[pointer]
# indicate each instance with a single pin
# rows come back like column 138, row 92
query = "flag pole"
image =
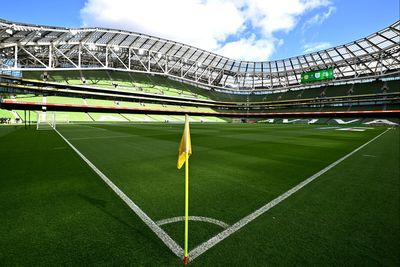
column 185, row 255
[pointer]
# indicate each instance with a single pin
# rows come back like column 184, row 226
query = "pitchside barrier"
column 335, row 121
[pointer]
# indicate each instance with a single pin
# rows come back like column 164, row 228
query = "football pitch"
column 259, row 195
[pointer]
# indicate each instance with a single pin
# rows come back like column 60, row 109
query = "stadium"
column 295, row 161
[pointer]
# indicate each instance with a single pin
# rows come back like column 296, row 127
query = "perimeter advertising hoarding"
column 317, row 75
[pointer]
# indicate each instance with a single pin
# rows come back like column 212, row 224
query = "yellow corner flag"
column 185, row 150
column 186, row 145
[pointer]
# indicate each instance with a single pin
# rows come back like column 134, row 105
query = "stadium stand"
column 155, row 87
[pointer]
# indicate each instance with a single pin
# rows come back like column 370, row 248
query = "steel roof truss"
column 93, row 55
column 140, row 61
column 34, row 57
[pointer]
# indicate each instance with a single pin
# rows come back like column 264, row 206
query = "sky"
column 254, row 30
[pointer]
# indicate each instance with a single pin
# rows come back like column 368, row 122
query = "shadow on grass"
column 138, row 229
column 102, row 206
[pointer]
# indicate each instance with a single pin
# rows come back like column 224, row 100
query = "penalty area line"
column 165, row 238
column 244, row 221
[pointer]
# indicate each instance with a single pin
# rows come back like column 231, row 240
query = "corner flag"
column 185, row 146
column 185, row 150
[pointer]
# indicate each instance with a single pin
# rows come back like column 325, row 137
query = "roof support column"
column 50, row 56
column 106, row 56
column 148, row 62
column 254, row 75
column 181, row 67
column 270, row 75
column 262, row 74
column 16, row 56
column 129, row 58
column 79, row 55
column 166, row 64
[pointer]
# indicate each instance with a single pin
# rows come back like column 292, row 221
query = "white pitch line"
column 241, row 223
column 193, row 218
column 168, row 241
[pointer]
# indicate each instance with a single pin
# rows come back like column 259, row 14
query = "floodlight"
column 73, row 32
column 159, row 55
column 92, row 46
column 116, row 48
column 141, row 51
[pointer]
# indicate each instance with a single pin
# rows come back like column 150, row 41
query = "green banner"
column 317, row 75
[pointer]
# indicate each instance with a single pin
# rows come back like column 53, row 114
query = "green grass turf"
column 57, row 211
column 347, row 217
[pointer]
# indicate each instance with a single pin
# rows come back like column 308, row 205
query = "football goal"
column 46, row 121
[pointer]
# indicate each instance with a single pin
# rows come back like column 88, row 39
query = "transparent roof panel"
column 139, row 42
column 376, row 39
column 128, row 41
column 105, row 38
column 117, row 39
column 148, row 44
column 166, row 48
column 180, row 51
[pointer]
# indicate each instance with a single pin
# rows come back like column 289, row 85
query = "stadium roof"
column 27, row 47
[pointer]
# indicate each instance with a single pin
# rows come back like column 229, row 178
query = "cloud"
column 249, row 49
column 215, row 25
column 271, row 16
column 317, row 46
column 190, row 21
column 318, row 18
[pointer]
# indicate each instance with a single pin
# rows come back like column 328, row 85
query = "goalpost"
column 46, row 120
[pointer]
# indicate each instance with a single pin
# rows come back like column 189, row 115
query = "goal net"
column 46, row 121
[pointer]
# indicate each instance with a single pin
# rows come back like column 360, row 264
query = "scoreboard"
column 317, row 75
